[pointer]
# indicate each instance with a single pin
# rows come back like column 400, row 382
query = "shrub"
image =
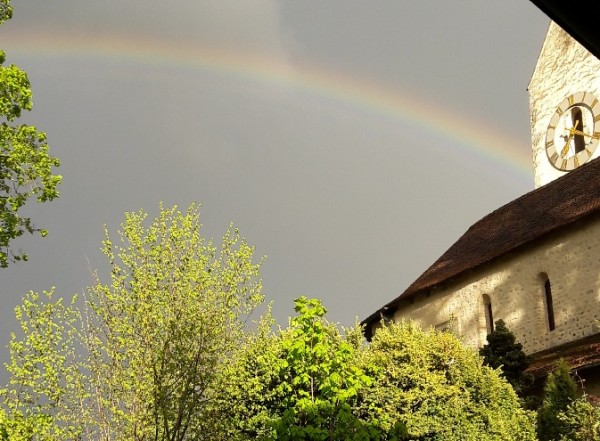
column 429, row 386
column 559, row 392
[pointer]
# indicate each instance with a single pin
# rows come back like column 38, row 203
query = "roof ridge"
column 528, row 217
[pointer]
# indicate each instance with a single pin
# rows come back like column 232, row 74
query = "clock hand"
column 565, row 149
column 579, row 132
column 572, row 131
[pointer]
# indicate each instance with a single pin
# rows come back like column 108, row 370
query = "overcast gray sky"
column 352, row 142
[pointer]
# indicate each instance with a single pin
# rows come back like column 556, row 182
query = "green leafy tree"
column 45, row 382
column 502, row 351
column 560, row 391
column 429, row 386
column 581, row 421
column 299, row 384
column 143, row 363
column 161, row 329
column 25, row 164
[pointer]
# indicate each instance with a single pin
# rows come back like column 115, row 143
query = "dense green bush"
column 429, row 386
column 580, row 421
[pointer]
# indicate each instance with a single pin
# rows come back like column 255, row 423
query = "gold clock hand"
column 565, row 149
column 572, row 131
column 579, row 132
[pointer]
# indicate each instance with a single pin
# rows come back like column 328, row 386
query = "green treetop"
column 314, row 382
column 299, row 384
column 139, row 359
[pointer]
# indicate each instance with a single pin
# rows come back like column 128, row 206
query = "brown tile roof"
column 532, row 216
column 581, row 354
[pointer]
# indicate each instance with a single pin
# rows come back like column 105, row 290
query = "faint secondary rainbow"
column 470, row 139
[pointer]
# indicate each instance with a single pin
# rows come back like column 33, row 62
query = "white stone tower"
column 564, row 97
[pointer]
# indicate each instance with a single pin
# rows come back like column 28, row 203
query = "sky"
column 351, row 142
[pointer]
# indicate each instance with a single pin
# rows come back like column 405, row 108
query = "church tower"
column 564, row 94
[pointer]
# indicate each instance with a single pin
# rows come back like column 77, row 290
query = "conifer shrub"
column 502, row 351
column 560, row 391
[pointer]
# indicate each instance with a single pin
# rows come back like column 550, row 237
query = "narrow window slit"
column 549, row 304
column 489, row 316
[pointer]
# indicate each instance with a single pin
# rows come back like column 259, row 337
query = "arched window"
column 489, row 316
column 548, row 301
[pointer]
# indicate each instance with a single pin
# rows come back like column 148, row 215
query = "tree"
column 45, row 379
column 25, row 164
column 143, row 363
column 581, row 421
column 559, row 392
column 429, row 386
column 299, row 384
column 502, row 351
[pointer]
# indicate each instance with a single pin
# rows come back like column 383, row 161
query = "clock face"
column 574, row 131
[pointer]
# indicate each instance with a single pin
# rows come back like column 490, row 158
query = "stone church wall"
column 514, row 284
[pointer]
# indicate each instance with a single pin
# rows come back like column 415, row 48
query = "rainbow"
column 472, row 140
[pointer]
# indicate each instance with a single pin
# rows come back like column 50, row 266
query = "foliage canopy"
column 313, row 382
column 429, row 386
column 300, row 384
column 25, row 164
column 139, row 359
column 580, row 421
